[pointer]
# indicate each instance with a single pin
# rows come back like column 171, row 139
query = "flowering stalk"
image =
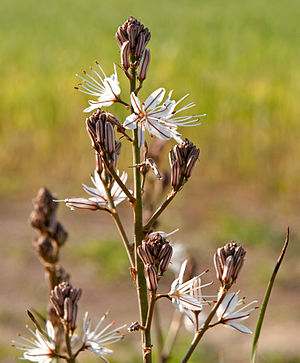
column 138, row 234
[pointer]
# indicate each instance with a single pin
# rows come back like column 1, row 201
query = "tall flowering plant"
column 149, row 251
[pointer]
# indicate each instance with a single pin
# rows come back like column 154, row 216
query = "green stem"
column 138, row 231
column 112, row 171
column 71, row 359
column 205, row 326
column 266, row 299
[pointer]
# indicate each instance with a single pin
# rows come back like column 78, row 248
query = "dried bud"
column 151, row 277
column 144, row 65
column 228, row 262
column 133, row 32
column 156, row 251
column 64, row 298
column 135, row 327
column 44, row 202
column 44, row 248
column 38, row 220
column 182, row 160
column 60, row 235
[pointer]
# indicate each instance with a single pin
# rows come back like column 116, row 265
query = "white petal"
column 130, row 122
column 241, row 328
column 181, row 272
column 154, row 99
column 228, row 305
column 136, row 103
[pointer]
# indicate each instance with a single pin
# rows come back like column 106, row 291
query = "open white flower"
column 232, row 318
column 159, row 119
column 95, row 340
column 99, row 198
column 40, row 348
column 107, row 89
column 187, row 295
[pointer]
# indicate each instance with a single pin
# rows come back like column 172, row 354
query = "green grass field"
column 238, row 61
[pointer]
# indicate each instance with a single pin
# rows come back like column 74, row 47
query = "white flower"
column 99, row 199
column 179, row 254
column 159, row 119
column 95, row 339
column 187, row 295
column 107, row 89
column 232, row 318
column 41, row 348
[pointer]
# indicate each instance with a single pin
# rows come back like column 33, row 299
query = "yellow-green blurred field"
column 239, row 61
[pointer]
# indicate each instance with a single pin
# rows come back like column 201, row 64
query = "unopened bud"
column 125, row 62
column 144, row 65
column 182, row 160
column 151, row 278
column 81, row 203
column 228, row 262
column 133, row 32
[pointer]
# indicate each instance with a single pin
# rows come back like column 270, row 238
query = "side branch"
column 119, row 181
column 159, row 211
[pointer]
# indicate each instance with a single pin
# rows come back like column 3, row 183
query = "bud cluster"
column 64, row 298
column 100, row 127
column 182, row 160
column 52, row 233
column 156, row 253
column 228, row 262
column 132, row 38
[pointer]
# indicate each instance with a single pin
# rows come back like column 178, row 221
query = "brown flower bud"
column 64, row 298
column 144, row 65
column 182, row 160
column 156, row 251
column 38, row 220
column 228, row 262
column 133, row 32
column 151, row 278
column 44, row 202
column 125, row 62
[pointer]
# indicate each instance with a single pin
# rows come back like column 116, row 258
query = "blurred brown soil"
column 23, row 286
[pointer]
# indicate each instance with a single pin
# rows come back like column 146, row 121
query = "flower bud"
column 228, row 262
column 151, row 278
column 182, row 160
column 144, row 65
column 59, row 235
column 156, row 251
column 125, row 62
column 64, row 298
column 137, row 36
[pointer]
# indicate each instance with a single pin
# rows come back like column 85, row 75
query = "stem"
column 159, row 211
column 150, row 312
column 119, row 181
column 266, row 299
column 71, row 359
column 198, row 335
column 138, row 233
column 119, row 224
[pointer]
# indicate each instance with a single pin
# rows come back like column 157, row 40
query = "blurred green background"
column 239, row 61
